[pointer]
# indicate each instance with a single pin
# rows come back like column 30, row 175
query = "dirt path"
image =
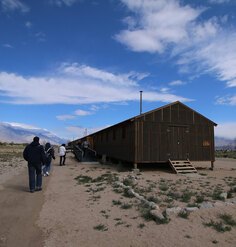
column 19, row 212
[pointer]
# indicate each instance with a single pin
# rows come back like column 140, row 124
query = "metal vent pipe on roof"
column 141, row 103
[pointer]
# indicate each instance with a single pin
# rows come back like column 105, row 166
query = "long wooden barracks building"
column 172, row 132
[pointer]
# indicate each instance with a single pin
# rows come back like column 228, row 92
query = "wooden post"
column 136, row 170
column 104, row 159
column 212, row 165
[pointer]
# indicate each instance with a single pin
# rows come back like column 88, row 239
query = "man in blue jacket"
column 35, row 155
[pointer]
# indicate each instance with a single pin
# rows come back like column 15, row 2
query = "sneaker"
column 47, row 173
column 44, row 174
column 31, row 191
column 38, row 189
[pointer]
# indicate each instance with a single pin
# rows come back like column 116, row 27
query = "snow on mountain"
column 20, row 133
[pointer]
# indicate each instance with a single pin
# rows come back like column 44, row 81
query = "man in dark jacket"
column 35, row 155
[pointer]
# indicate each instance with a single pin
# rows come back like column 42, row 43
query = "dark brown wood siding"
column 116, row 142
column 175, row 132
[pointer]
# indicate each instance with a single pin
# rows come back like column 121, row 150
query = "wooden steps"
column 182, row 166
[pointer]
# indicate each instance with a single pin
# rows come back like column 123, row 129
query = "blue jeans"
column 47, row 168
column 35, row 175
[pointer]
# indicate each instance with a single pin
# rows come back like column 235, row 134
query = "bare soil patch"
column 84, row 207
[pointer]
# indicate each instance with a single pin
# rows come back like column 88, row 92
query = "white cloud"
column 232, row 83
column 164, row 89
column 78, row 112
column 82, row 113
column 79, row 131
column 84, row 88
column 65, row 117
column 227, row 100
column 12, row 5
column 218, row 57
column 219, row 1
column 158, row 25
column 74, row 115
column 177, row 83
column 63, row 2
column 226, row 130
column 199, row 45
column 83, row 70
column 41, row 37
column 94, row 108
column 7, row 46
column 28, row 24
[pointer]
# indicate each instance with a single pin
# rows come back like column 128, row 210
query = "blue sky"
column 71, row 66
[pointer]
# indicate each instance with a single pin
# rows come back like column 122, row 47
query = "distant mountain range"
column 16, row 133
column 225, row 143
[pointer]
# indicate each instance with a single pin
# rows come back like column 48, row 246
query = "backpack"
column 47, row 153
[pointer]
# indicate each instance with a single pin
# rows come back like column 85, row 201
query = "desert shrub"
column 165, row 220
column 104, row 214
column 218, row 226
column 163, row 187
column 186, row 196
column 230, row 193
column 108, row 177
column 127, row 193
column 81, row 179
column 183, row 214
column 116, row 202
column 228, row 219
column 119, row 223
column 153, row 199
column 145, row 211
column 128, row 182
column 100, row 227
column 126, row 206
column 216, row 195
column 199, row 199
column 226, row 153
column 141, row 225
column 174, row 195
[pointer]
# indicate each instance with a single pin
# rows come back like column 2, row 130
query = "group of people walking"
column 39, row 160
